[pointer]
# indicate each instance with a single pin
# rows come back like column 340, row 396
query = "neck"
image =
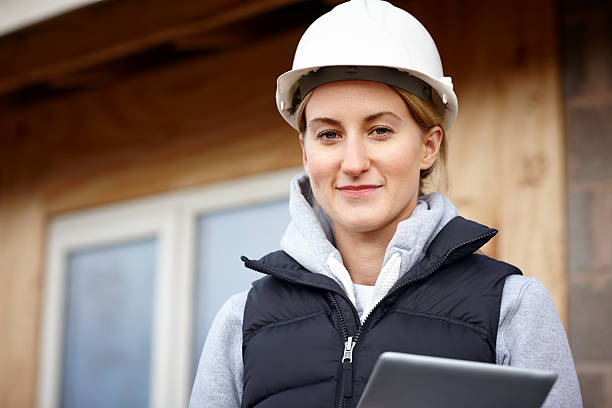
column 363, row 252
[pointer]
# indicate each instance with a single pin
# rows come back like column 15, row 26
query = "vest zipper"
column 346, row 387
column 346, row 382
column 347, row 370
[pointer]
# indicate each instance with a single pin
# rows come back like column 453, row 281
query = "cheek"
column 402, row 160
column 320, row 167
column 320, row 173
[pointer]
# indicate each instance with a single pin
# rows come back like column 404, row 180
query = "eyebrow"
column 379, row 114
column 325, row 120
column 368, row 118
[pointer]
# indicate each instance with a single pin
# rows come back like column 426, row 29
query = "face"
column 363, row 152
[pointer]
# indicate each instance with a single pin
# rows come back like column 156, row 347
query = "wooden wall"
column 212, row 117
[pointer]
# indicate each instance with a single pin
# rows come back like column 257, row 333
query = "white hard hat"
column 367, row 40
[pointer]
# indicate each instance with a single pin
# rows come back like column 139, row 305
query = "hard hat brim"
column 287, row 82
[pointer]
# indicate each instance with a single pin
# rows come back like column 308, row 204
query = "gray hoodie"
column 530, row 333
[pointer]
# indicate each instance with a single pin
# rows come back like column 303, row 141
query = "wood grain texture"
column 204, row 120
column 21, row 247
column 112, row 29
column 506, row 162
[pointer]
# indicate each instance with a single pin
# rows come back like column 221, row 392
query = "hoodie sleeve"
column 531, row 335
column 218, row 381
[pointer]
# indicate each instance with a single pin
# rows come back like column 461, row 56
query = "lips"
column 358, row 191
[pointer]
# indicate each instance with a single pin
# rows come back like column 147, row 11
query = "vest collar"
column 458, row 238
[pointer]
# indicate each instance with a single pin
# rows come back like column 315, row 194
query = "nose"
column 355, row 160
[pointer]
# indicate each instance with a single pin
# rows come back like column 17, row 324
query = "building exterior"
column 132, row 131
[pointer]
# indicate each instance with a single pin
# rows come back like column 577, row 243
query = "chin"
column 361, row 223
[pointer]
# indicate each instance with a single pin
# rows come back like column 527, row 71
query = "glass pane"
column 107, row 341
column 222, row 238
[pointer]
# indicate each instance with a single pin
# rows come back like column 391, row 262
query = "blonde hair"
column 426, row 115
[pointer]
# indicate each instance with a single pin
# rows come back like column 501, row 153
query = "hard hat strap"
column 385, row 75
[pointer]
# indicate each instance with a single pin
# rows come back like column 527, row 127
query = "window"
column 222, row 238
column 131, row 289
column 108, row 325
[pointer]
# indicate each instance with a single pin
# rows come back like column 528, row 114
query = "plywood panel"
column 21, row 248
column 507, row 147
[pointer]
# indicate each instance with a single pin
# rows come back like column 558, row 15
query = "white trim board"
column 17, row 14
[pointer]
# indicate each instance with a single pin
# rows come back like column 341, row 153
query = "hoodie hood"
column 309, row 238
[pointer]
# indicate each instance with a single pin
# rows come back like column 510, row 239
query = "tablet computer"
column 407, row 380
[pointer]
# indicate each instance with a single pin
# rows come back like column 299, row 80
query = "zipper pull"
column 348, row 350
column 347, row 368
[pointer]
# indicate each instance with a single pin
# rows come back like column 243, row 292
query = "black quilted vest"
column 297, row 324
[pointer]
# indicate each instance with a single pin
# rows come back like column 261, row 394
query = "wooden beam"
column 200, row 120
column 112, row 29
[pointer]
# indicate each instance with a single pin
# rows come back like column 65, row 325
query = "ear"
column 304, row 156
column 431, row 147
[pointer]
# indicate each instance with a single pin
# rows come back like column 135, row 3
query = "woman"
column 369, row 263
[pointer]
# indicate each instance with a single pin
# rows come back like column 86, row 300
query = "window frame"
column 172, row 219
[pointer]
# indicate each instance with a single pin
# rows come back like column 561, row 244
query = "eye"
column 327, row 136
column 381, row 132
